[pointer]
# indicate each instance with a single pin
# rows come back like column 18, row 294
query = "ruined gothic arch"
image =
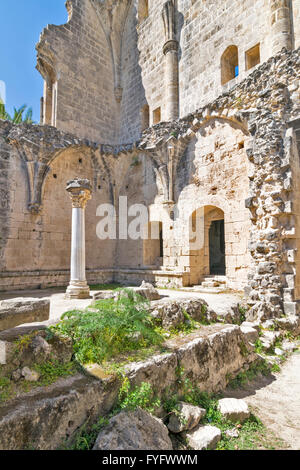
column 113, row 29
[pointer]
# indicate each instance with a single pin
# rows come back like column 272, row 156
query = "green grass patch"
column 50, row 372
column 113, row 286
column 5, row 389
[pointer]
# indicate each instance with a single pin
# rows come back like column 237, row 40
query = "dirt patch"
column 276, row 401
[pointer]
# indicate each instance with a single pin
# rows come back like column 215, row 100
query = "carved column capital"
column 80, row 192
column 171, row 45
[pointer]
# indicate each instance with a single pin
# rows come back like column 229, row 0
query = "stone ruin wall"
column 75, row 61
column 107, row 62
column 247, row 135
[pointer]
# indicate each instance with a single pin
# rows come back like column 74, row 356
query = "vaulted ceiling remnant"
column 112, row 15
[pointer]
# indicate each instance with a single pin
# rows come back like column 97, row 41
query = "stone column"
column 170, row 51
column 80, row 192
column 281, row 25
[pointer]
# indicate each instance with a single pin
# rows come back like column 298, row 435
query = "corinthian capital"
column 80, row 191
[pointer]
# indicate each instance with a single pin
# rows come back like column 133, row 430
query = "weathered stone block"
column 204, row 438
column 23, row 310
column 234, row 410
column 187, row 417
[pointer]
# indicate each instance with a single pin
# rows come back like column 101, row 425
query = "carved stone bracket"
column 36, row 173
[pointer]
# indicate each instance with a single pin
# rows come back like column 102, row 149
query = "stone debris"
column 104, row 295
column 289, row 347
column 172, row 312
column 187, row 417
column 234, row 410
column 233, row 433
column 30, row 375
column 134, row 430
column 204, row 438
column 146, row 290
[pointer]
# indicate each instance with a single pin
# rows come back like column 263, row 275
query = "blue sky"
column 21, row 22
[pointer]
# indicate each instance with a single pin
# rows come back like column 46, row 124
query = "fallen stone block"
column 134, row 430
column 234, row 410
column 290, row 323
column 250, row 334
column 204, row 438
column 104, row 295
column 185, row 418
column 19, row 311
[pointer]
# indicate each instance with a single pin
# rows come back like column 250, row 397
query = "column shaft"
column 281, row 25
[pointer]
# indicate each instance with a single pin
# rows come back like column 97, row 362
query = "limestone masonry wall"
column 114, row 69
column 225, row 77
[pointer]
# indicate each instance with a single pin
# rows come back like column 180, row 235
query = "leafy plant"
column 112, row 328
column 18, row 116
column 87, row 435
column 142, row 397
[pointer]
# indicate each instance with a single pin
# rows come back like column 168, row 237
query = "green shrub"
column 141, row 396
column 114, row 327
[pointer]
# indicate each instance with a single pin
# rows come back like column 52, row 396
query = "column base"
column 78, row 290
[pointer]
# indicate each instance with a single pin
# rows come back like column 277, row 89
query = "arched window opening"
column 229, row 64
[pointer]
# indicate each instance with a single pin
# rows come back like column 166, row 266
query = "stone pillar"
column 80, row 192
column 281, row 25
column 170, row 51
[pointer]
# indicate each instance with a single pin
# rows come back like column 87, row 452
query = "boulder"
column 185, row 418
column 172, row 312
column 148, row 291
column 14, row 312
column 169, row 313
column 204, row 438
column 234, row 410
column 134, row 430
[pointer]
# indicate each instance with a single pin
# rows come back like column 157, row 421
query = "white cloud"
column 2, row 91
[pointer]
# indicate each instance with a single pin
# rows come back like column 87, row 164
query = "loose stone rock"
column 204, row 437
column 30, row 375
column 234, row 410
column 186, row 418
column 135, row 430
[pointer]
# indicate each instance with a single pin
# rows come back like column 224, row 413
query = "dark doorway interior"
column 217, row 248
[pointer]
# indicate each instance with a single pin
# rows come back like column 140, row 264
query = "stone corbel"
column 36, row 173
